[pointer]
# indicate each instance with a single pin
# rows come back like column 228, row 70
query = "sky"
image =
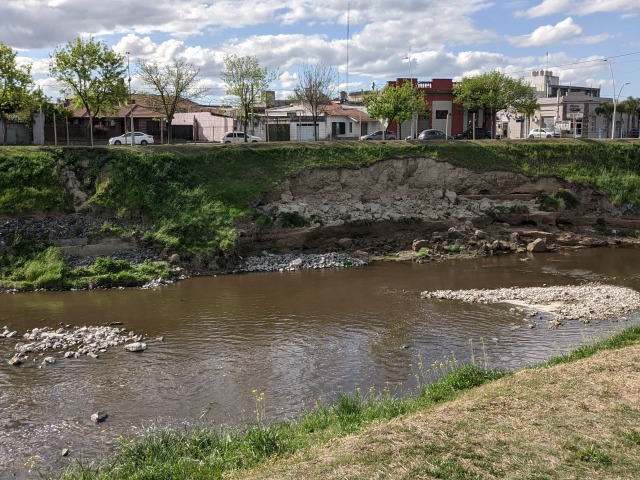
column 584, row 42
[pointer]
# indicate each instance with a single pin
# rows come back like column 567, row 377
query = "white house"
column 336, row 121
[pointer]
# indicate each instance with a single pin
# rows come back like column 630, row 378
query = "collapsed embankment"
column 206, row 207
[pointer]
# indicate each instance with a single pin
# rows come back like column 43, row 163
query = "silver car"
column 239, row 137
column 378, row 136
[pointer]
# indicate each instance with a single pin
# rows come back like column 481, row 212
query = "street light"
column 130, row 99
column 408, row 57
column 613, row 80
column 618, row 101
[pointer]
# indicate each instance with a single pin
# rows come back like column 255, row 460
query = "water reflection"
column 299, row 337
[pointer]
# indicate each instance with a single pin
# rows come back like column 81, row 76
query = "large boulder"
column 539, row 245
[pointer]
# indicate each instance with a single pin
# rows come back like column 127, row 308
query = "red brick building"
column 445, row 114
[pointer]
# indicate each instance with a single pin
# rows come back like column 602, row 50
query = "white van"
column 238, row 137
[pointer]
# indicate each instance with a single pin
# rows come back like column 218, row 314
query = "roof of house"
column 124, row 111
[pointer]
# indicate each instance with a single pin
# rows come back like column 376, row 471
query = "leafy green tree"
column 246, row 80
column 494, row 91
column 395, row 103
column 315, row 84
column 606, row 110
column 631, row 107
column 93, row 73
column 171, row 84
column 16, row 95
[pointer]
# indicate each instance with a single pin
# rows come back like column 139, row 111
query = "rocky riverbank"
column 585, row 303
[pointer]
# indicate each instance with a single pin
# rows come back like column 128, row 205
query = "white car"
column 139, row 138
column 543, row 133
column 238, row 137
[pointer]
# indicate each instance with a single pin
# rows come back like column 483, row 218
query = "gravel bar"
column 588, row 302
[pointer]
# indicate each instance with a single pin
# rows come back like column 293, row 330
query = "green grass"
column 48, row 269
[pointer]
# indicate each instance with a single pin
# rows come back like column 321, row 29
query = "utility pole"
column 131, row 100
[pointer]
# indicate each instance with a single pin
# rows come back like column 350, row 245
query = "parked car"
column 432, row 134
column 239, row 137
column 468, row 133
column 543, row 133
column 139, row 138
column 378, row 136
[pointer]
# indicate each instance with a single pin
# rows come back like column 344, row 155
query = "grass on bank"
column 48, row 269
column 188, row 198
column 527, row 425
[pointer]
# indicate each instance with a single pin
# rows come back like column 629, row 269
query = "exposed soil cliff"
column 391, row 204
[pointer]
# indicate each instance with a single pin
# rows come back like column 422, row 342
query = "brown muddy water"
column 299, row 337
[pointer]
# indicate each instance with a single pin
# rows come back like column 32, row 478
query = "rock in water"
column 135, row 347
column 99, row 417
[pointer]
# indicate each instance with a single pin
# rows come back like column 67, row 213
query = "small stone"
column 135, row 347
column 65, row 452
column 99, row 417
column 16, row 360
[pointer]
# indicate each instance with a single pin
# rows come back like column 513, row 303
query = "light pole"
column 130, row 99
column 618, row 101
column 613, row 80
column 408, row 57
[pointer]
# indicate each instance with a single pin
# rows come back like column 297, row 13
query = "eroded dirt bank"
column 418, row 206
column 409, row 204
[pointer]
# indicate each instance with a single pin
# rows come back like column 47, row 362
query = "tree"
column 16, row 86
column 173, row 83
column 395, row 103
column 93, row 73
column 315, row 84
column 606, row 110
column 630, row 106
column 494, row 91
column 246, row 80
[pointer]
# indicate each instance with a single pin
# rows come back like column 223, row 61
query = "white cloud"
column 562, row 32
column 581, row 7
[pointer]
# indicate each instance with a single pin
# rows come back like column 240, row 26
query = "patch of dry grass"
column 579, row 420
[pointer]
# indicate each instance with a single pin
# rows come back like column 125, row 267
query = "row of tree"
column 94, row 76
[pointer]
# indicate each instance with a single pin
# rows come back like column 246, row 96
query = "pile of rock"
column 291, row 262
column 73, row 342
column 589, row 302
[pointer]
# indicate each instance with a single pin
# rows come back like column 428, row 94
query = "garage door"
column 306, row 132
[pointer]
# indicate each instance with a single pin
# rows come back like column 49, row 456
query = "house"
column 567, row 109
column 116, row 123
column 444, row 113
column 201, row 126
column 336, row 121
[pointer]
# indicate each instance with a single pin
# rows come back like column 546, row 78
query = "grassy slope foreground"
column 576, row 416
column 188, row 197
column 576, row 420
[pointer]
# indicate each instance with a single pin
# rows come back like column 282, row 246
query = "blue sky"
column 443, row 39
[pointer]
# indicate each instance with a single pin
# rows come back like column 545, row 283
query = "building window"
column 338, row 128
column 350, row 127
column 441, row 114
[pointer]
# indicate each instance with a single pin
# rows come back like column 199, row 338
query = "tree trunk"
column 4, row 130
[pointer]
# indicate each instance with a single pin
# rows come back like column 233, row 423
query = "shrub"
column 451, row 249
column 292, row 220
column 548, row 203
column 569, row 198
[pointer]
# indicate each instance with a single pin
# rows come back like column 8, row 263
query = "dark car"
column 378, row 136
column 432, row 134
column 468, row 133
